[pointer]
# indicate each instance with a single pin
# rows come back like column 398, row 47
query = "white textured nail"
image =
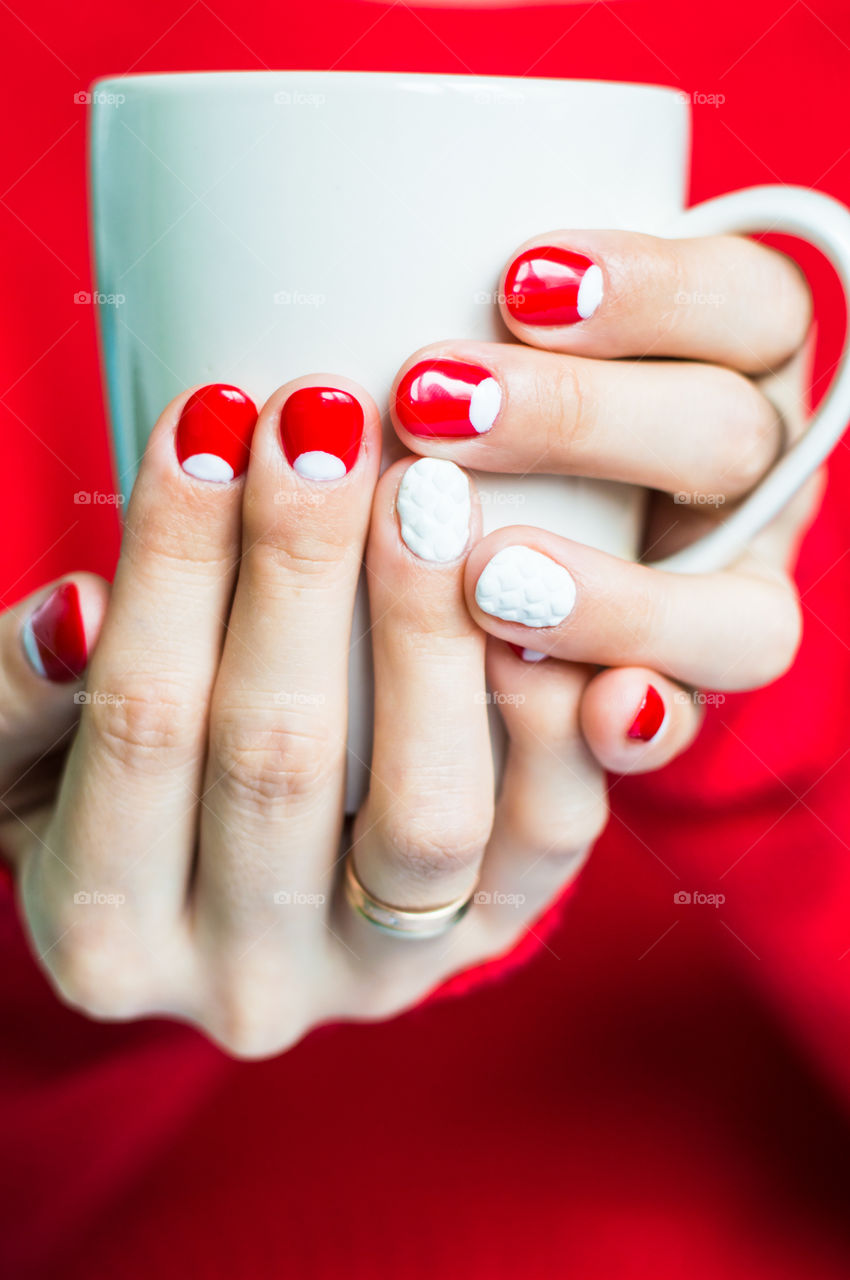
column 589, row 292
column 318, row 465
column 208, row 466
column 434, row 509
column 521, row 585
column 484, row 404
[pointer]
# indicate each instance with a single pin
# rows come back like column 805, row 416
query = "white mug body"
column 253, row 227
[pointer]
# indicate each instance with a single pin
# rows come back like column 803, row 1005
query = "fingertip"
column 436, row 510
column 60, row 626
column 517, row 589
column 635, row 720
column 326, row 427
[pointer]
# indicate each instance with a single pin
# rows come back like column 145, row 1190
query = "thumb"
column 45, row 643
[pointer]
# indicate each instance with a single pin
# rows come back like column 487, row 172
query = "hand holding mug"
column 190, row 861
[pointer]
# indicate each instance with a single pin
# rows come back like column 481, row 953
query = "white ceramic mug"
column 252, row 227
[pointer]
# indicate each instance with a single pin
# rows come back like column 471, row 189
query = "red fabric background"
column 662, row 1090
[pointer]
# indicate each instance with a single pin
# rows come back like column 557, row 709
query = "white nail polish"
column 533, row 655
column 521, row 585
column 208, row 466
column 317, row 465
column 434, row 509
column 484, row 405
column 589, row 292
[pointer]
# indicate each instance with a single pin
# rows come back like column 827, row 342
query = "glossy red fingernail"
column 54, row 637
column 650, row 716
column 551, row 286
column 527, row 655
column 447, row 398
column 213, row 439
column 321, row 429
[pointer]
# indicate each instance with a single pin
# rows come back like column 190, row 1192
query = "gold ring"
column 402, row 922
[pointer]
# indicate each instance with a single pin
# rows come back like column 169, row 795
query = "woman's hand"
column 190, row 865
column 633, row 366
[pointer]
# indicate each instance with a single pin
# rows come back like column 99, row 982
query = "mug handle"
column 825, row 223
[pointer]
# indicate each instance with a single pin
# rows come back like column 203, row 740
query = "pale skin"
column 208, row 788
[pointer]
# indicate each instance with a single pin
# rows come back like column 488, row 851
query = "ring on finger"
column 402, row 922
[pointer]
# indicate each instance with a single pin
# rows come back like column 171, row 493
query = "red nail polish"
column 321, row 429
column 213, row 439
column 551, row 286
column 54, row 637
column 447, row 398
column 649, row 718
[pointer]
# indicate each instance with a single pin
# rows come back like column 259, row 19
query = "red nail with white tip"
column 321, row 429
column 213, row 438
column 447, row 398
column 54, row 637
column 551, row 286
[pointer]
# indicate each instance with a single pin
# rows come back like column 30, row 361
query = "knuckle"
column 306, row 542
column 752, row 438
column 293, row 759
column 795, row 306
column 644, row 614
column 253, row 1019
column 97, row 975
column 782, row 633
column 425, row 846
column 543, row 715
column 563, row 400
column 558, row 843
column 151, row 723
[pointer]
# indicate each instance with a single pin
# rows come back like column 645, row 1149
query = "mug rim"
column 541, row 86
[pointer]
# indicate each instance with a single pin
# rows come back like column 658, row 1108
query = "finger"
column 126, row 819
column 552, row 803
column 672, row 525
column 275, row 776
column 635, row 720
column 505, row 407
column 732, row 630
column 726, row 299
column 422, row 830
column 45, row 642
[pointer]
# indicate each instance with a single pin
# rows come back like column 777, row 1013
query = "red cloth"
column 662, row 1090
